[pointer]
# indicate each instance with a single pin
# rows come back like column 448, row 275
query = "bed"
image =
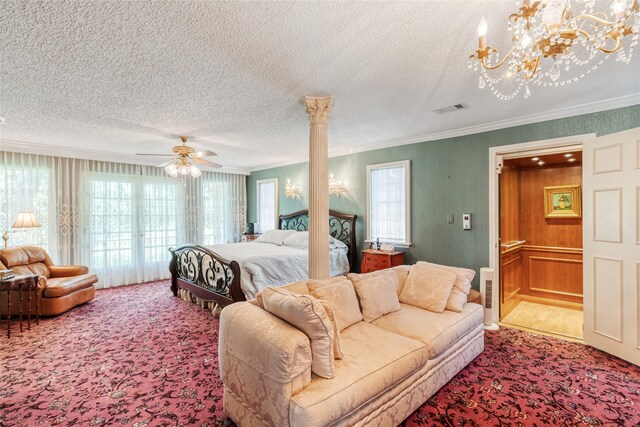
column 224, row 274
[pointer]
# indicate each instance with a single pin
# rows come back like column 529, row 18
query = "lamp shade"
column 26, row 219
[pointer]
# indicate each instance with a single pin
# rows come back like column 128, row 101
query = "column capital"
column 318, row 108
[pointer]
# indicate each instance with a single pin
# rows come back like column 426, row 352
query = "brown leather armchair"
column 61, row 287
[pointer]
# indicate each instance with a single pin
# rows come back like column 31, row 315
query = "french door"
column 611, row 234
column 133, row 222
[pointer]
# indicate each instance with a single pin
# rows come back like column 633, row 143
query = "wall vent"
column 451, row 109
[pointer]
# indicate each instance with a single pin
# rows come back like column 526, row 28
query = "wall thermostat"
column 466, row 221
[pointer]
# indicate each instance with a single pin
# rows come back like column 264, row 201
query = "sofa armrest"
column 68, row 270
column 263, row 362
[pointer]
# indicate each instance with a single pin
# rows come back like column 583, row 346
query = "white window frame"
column 407, row 165
column 276, row 210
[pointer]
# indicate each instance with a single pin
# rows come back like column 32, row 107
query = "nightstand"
column 373, row 260
column 249, row 237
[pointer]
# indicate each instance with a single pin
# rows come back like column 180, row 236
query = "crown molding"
column 561, row 113
column 84, row 154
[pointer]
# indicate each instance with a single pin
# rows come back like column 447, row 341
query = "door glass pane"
column 112, row 223
column 160, row 219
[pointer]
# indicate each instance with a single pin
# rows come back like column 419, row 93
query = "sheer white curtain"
column 119, row 219
column 26, row 183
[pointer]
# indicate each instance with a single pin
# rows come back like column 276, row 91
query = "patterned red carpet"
column 137, row 356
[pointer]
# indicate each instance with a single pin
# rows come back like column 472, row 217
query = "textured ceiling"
column 125, row 77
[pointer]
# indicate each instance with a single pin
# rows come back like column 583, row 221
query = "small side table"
column 373, row 260
column 27, row 287
column 249, row 237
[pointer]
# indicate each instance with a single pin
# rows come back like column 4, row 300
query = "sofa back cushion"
column 402, row 271
column 378, row 295
column 308, row 315
column 339, row 292
column 26, row 260
column 428, row 287
column 461, row 287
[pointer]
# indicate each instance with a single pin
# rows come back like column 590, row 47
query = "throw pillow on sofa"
column 299, row 288
column 378, row 295
column 340, row 294
column 402, row 271
column 337, row 345
column 461, row 287
column 428, row 287
column 307, row 314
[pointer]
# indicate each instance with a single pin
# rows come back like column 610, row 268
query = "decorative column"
column 318, row 110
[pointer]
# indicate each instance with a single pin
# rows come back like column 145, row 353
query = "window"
column 388, row 202
column 26, row 187
column 267, row 204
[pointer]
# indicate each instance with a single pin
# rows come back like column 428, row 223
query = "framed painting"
column 563, row 201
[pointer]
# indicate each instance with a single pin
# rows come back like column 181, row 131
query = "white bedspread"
column 266, row 264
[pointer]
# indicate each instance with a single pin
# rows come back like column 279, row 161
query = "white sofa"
column 390, row 366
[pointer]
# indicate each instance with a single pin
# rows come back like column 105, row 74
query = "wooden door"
column 611, row 235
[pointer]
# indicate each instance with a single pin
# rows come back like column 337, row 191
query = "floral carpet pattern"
column 137, row 356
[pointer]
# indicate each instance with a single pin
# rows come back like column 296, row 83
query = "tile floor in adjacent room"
column 558, row 321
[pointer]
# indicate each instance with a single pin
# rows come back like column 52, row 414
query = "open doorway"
column 540, row 242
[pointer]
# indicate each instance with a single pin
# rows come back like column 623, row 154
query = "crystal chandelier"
column 552, row 46
column 182, row 166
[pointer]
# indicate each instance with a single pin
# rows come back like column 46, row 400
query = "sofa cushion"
column 342, row 297
column 402, row 271
column 307, row 314
column 337, row 348
column 299, row 288
column 378, row 295
column 34, row 258
column 436, row 330
column 461, row 286
column 374, row 361
column 428, row 287
column 61, row 286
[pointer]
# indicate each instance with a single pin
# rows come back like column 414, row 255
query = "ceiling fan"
column 183, row 159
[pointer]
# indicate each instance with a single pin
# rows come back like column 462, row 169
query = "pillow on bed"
column 307, row 314
column 461, row 286
column 276, row 237
column 300, row 240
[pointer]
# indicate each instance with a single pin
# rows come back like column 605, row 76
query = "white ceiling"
column 106, row 79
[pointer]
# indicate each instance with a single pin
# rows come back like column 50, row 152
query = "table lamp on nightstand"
column 25, row 219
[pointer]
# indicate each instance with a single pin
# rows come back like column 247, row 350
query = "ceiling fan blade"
column 205, row 153
column 155, row 155
column 167, row 163
column 207, row 163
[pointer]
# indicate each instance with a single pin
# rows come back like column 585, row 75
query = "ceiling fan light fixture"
column 195, row 172
column 184, row 169
column 172, row 170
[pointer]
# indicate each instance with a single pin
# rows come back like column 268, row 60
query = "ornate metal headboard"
column 341, row 227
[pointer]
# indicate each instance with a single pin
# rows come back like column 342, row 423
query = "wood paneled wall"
column 549, row 264
column 534, row 227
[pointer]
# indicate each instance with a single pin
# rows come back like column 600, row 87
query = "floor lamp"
column 26, row 219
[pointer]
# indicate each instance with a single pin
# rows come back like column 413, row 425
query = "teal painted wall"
column 447, row 176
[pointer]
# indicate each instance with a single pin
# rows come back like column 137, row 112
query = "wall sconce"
column 336, row 187
column 291, row 191
column 25, row 219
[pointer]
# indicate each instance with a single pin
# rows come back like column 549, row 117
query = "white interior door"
column 611, row 232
